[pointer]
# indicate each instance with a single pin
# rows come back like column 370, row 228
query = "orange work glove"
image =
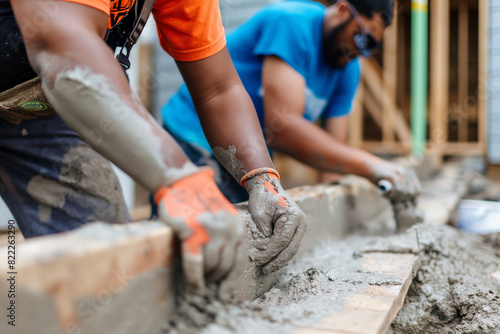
column 209, row 227
column 280, row 221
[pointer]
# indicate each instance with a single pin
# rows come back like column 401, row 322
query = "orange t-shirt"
column 188, row 29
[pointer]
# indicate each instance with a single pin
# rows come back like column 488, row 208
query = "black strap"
column 127, row 32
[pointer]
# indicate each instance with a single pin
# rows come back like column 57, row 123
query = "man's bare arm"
column 284, row 101
column 89, row 90
column 226, row 113
column 338, row 128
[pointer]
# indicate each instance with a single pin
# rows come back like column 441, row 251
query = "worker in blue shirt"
column 299, row 62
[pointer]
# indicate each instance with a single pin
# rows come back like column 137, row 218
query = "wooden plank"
column 373, row 82
column 462, row 149
column 372, row 310
column 439, row 75
column 448, row 149
column 483, row 72
column 96, row 262
column 463, row 71
column 390, row 148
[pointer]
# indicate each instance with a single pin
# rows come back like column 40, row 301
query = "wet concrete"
column 453, row 292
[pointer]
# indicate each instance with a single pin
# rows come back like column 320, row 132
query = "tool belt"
column 24, row 102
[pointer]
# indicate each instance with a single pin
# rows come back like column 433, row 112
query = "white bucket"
column 479, row 217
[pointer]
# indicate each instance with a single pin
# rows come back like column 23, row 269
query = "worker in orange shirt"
column 54, row 58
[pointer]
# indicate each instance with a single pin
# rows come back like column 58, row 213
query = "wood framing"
column 463, row 73
column 439, row 73
column 483, row 72
column 390, row 81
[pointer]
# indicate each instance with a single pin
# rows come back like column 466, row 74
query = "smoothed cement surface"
column 454, row 291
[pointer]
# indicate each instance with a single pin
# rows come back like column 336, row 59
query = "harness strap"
column 140, row 23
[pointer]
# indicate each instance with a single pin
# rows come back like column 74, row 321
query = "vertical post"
column 419, row 76
column 483, row 73
column 390, row 81
column 463, row 71
column 440, row 72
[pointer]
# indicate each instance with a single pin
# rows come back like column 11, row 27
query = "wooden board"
column 373, row 309
column 97, row 262
column 439, row 74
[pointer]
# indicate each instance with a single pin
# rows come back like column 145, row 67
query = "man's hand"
column 406, row 189
column 279, row 219
column 405, row 183
column 210, row 229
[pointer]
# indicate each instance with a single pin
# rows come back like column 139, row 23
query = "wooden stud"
column 439, row 75
column 372, row 78
column 463, row 71
column 483, row 73
column 389, row 81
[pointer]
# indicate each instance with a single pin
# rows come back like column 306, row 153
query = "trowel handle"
column 385, row 186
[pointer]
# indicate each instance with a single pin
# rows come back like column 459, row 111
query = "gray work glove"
column 280, row 221
column 404, row 195
column 405, row 183
column 211, row 232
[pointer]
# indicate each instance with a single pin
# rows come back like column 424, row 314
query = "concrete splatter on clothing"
column 52, row 181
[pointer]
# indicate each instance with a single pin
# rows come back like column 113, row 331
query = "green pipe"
column 419, row 74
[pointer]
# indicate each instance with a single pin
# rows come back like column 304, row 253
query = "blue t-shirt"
column 293, row 31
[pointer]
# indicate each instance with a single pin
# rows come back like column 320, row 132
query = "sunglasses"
column 364, row 40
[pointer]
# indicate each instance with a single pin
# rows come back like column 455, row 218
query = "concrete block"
column 98, row 279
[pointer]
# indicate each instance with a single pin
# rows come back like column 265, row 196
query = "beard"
column 332, row 51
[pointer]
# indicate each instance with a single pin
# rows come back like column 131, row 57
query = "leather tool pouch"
column 24, row 102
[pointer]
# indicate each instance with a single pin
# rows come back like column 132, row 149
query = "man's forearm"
column 89, row 90
column 234, row 133
column 312, row 145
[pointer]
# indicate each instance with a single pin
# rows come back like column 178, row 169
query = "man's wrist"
column 256, row 172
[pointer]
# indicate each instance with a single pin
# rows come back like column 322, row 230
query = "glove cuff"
column 202, row 174
column 256, row 172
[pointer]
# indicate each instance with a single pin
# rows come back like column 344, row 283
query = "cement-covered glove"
column 278, row 218
column 404, row 194
column 405, row 183
column 209, row 227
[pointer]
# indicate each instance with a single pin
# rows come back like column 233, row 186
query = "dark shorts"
column 52, row 181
